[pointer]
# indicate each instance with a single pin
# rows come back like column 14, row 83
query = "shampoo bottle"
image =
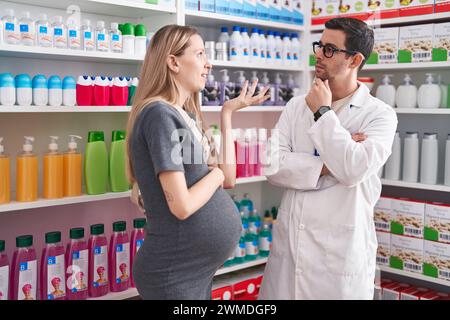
column 5, row 173
column 411, row 157
column 227, row 88
column 27, row 173
column 137, row 240
column 117, row 167
column 77, row 263
column 119, row 258
column 53, row 270
column 7, row 89
column 406, row 96
column 55, row 94
column 40, row 90
column 132, row 90
column 429, row 159
column 392, row 167
column 53, row 175
column 84, row 91
column 98, row 283
column 72, row 167
column 69, row 91
column 96, row 164
column 265, row 82
column 24, row 90
column 24, row 270
column 386, row 91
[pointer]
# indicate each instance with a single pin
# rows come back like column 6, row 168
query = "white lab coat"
column 324, row 241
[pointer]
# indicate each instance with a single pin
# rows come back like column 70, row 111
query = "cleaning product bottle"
column 386, row 91
column 85, row 91
column 392, row 168
column 119, row 258
column 132, row 90
column 98, row 284
column 286, row 51
column 116, row 38
column 101, row 37
column 241, row 167
column 101, row 91
column 240, row 83
column 429, row 159
column 40, row 90
column 128, row 39
column 254, row 222
column 262, row 47
column 251, row 246
column 280, row 91
column 55, row 95
column 87, row 34
column 73, row 34
column 24, row 270
column 77, row 262
column 24, row 90
column 53, row 270
column 137, row 240
column 43, row 29
column 295, row 50
column 117, row 167
column 278, row 49
column 268, row 219
column 240, row 252
column 265, row 81
column 261, row 151
column 11, row 32
column 27, row 29
column 59, row 33
column 411, row 157
column 253, row 79
column 252, row 151
column 96, row 164
column 69, row 91
column 227, row 88
column 140, row 41
column 53, row 172
column 236, row 203
column 406, row 96
column 211, row 93
column 72, row 168
column 7, row 89
column 245, row 47
column 447, row 162
column 246, row 205
column 224, row 43
column 119, row 92
column 27, row 173
column 271, row 47
column 255, row 46
column 444, row 92
column 4, row 272
column 265, row 241
column 236, row 53
column 429, row 95
column 292, row 90
column 5, row 173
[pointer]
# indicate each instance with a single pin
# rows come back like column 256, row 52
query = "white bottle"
column 271, row 47
column 392, row 167
column 24, row 90
column 44, row 33
column 386, row 91
column 116, row 38
column 429, row 95
column 55, row 91
column 140, row 41
column 40, row 90
column 88, row 34
column 286, row 50
column 236, row 44
column 429, row 159
column 11, row 32
column 278, row 49
column 73, row 33
column 224, row 37
column 295, row 50
column 27, row 29
column 406, row 96
column 262, row 47
column 245, row 45
column 69, row 92
column 411, row 157
column 101, row 37
column 59, row 33
column 7, row 89
column 255, row 46
column 447, row 162
column 128, row 39
column 444, row 92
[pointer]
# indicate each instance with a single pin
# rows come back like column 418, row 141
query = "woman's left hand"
column 246, row 98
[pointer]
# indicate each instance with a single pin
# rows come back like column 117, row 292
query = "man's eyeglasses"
column 329, row 50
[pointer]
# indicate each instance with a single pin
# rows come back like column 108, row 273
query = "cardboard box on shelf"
column 393, row 291
column 414, row 293
column 436, row 258
column 443, row 296
column 384, row 248
column 408, row 217
column 441, row 6
column 353, row 9
column 323, row 10
column 416, row 43
column 432, row 295
column 382, row 9
column 441, row 42
column 383, row 214
column 406, row 253
column 437, row 222
column 385, row 49
column 415, row 8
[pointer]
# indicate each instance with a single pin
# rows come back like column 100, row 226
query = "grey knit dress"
column 178, row 259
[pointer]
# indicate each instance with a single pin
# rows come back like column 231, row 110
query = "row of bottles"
column 62, row 172
column 430, row 94
column 81, row 269
column 105, row 91
column 408, row 164
column 251, row 151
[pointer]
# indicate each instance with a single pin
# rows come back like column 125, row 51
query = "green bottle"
column 254, row 222
column 117, row 167
column 236, row 202
column 96, row 164
column 239, row 255
column 265, row 241
column 132, row 90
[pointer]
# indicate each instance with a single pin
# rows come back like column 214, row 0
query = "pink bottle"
column 119, row 93
column 4, row 272
column 98, row 258
column 24, row 270
column 119, row 258
column 85, row 91
column 241, row 156
column 77, row 262
column 261, row 149
column 111, row 83
column 101, row 91
column 252, row 151
column 53, row 270
column 137, row 239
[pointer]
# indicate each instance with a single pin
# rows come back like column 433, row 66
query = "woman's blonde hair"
column 157, row 81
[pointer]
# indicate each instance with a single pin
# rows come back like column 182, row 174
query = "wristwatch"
column 322, row 110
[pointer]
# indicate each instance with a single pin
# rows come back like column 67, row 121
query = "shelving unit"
column 413, row 275
column 437, row 65
column 445, row 111
column 412, row 185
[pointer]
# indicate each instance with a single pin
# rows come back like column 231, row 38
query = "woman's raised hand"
column 246, row 98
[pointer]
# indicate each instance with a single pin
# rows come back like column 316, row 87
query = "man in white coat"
column 332, row 144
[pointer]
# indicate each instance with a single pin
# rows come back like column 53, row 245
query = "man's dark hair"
column 358, row 36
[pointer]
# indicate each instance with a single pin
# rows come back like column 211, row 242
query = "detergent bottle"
column 119, row 93
column 101, row 91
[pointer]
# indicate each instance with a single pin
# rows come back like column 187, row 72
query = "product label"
column 9, row 26
column 408, row 218
column 73, row 33
column 384, row 248
column 78, row 271
column 4, row 281
column 122, row 262
column 251, row 248
column 416, row 43
column 265, row 243
column 24, row 28
column 385, row 47
column 102, row 43
column 43, row 30
column 139, row 244
column 240, row 250
column 27, row 280
column 55, row 277
column 115, row 37
column 59, row 39
column 441, row 42
column 406, row 253
column 101, row 37
column 278, row 55
column 100, row 266
column 116, row 42
column 88, row 35
column 74, row 39
column 58, row 32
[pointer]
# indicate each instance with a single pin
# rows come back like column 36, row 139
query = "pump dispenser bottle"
column 227, row 88
column 240, row 82
column 406, row 96
column 53, row 171
column 386, row 91
column 265, row 81
column 5, row 181
column 429, row 95
column 72, row 164
column 27, row 173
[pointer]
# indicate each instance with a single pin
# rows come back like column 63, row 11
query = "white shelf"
column 412, row 185
column 254, row 66
column 210, row 19
column 403, row 66
column 422, row 111
column 62, row 109
column 414, row 275
column 248, row 109
column 251, row 180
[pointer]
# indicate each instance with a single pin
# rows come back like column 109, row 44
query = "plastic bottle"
column 278, row 49
column 96, row 164
column 27, row 29
column 261, row 149
column 280, row 91
column 444, row 92
column 447, row 162
column 211, row 93
column 265, row 82
column 245, row 47
column 254, row 222
column 117, row 167
column 255, row 78
column 392, row 169
column 132, row 90
column 251, row 246
column 429, row 159
column 241, row 167
column 236, row 53
column 84, row 91
column 265, row 241
column 40, row 90
column 119, row 258
column 240, row 83
column 140, row 41
column 262, row 46
column 411, row 157
column 429, row 95
column 72, row 167
column 271, row 47
column 53, row 173
column 255, row 46
column 11, row 32
column 246, row 205
column 59, row 33
column 224, row 37
column 102, row 37
column 227, row 88
column 110, row 85
column 24, row 90
column 252, row 151
column 88, row 35
column 53, row 270
column 5, row 173
column 406, row 96
column 55, row 94
column 77, row 263
column 116, row 38
column 27, row 173
column 240, row 252
column 69, row 91
column 98, row 283
column 101, row 91
column 43, row 29
column 128, row 39
column 236, row 203
column 286, row 51
column 119, row 92
column 268, row 219
column 137, row 240
column 4, row 272
column 7, row 89
column 73, row 34
column 292, row 89
column 23, row 281
column 295, row 50
column 386, row 91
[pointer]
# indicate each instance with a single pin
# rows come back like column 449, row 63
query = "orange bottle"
column 53, row 172
column 5, row 186
column 27, row 173
column 72, row 169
